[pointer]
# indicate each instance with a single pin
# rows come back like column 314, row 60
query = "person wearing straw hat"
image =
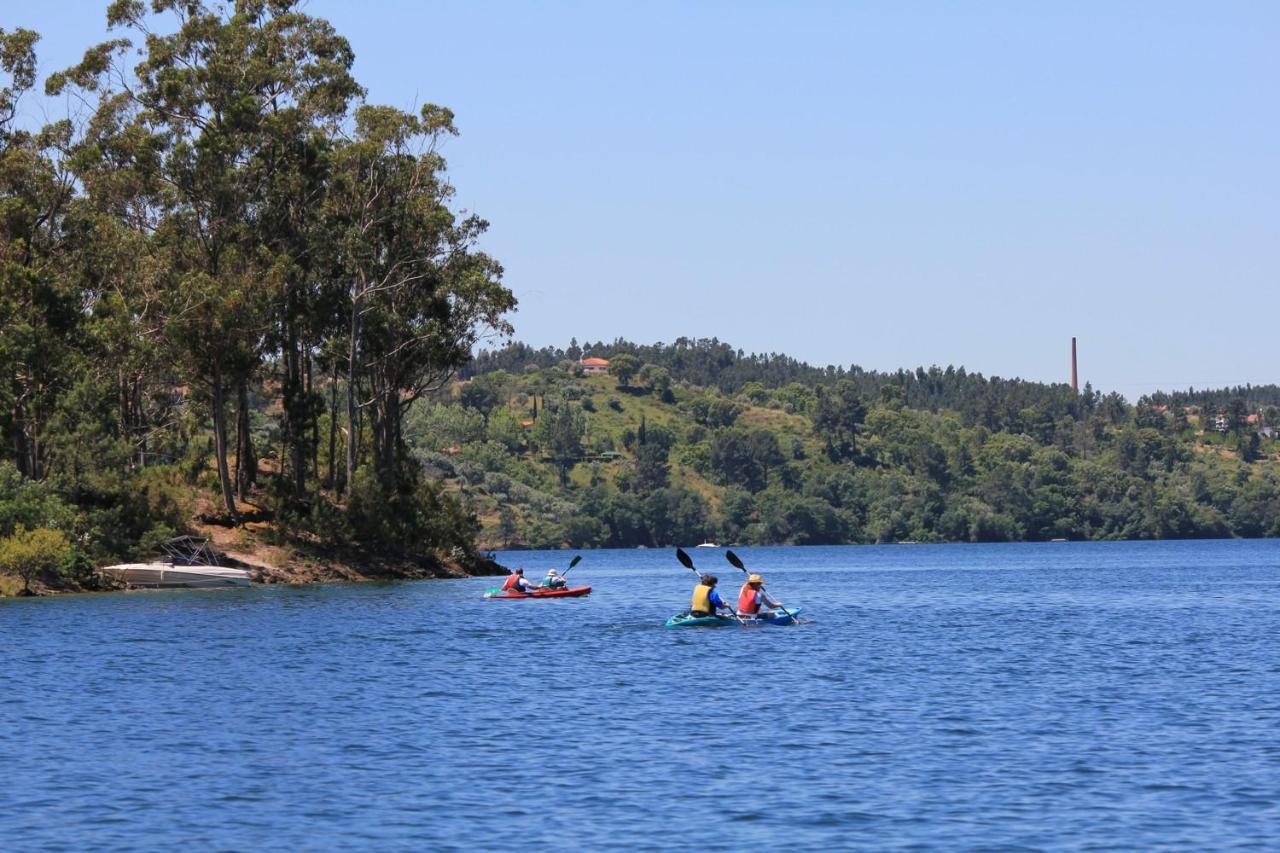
column 753, row 601
column 553, row 580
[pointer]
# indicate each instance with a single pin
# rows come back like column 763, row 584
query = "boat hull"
column 169, row 576
column 684, row 620
column 571, row 592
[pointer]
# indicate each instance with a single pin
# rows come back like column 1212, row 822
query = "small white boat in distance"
column 191, row 564
column 707, row 545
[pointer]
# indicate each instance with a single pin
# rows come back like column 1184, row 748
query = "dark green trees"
column 838, row 413
column 234, row 240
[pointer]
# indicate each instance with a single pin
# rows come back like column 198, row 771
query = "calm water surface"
column 1067, row 696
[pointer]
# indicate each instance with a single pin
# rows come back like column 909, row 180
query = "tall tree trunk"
column 139, row 428
column 295, row 406
column 34, row 420
column 220, row 441
column 386, row 449
column 333, row 424
column 126, row 425
column 237, row 473
column 353, row 379
column 393, row 411
column 246, row 456
column 313, row 416
column 21, row 451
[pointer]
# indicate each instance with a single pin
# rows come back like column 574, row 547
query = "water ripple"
column 1068, row 696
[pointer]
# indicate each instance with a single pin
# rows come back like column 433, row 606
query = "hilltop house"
column 1222, row 422
column 594, row 365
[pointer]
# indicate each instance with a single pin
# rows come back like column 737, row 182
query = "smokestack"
column 1075, row 384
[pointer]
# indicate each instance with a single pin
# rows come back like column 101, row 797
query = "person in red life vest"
column 753, row 600
column 706, row 601
column 516, row 582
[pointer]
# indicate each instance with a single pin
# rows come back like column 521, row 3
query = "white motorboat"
column 191, row 564
column 707, row 545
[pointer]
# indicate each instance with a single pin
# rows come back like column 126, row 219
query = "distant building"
column 594, row 365
column 1222, row 421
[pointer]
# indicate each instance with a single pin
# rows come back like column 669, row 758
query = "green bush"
column 28, row 553
column 29, row 503
column 420, row 516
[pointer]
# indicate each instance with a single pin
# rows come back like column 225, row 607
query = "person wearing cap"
column 706, row 601
column 753, row 600
column 516, row 582
column 553, row 580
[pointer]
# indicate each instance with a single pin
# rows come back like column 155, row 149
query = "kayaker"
column 754, row 601
column 706, row 601
column 516, row 582
column 553, row 580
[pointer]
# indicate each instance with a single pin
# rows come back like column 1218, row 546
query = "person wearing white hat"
column 553, row 580
column 753, row 601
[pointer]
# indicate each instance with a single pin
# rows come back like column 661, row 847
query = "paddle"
column 687, row 562
column 733, row 558
column 572, row 563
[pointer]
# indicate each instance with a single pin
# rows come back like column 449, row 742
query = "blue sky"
column 884, row 184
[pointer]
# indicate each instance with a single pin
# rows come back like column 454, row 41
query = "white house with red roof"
column 594, row 365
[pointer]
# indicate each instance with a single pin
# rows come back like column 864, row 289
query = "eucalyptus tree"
column 419, row 294
column 38, row 312
column 231, row 92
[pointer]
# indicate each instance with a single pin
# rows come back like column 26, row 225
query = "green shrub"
column 28, row 553
column 29, row 503
column 421, row 517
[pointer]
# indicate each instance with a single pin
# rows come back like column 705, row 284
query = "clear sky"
column 887, row 184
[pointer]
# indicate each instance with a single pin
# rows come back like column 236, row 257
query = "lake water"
column 1062, row 695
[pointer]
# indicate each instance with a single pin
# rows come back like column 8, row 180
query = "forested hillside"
column 696, row 441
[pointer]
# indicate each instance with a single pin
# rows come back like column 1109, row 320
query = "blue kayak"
column 687, row 620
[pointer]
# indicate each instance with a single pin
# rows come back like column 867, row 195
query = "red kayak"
column 571, row 592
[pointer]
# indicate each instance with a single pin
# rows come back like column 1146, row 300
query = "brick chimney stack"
column 1075, row 384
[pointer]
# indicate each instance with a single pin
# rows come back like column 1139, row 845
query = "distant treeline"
column 995, row 403
column 991, row 401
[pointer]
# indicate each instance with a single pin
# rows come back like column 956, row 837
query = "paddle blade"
column 733, row 558
column 574, row 562
column 684, row 559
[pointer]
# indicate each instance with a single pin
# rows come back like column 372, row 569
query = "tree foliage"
column 232, row 255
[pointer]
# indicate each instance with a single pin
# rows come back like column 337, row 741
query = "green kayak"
column 687, row 620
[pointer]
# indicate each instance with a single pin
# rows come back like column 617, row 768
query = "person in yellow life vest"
column 753, row 600
column 706, row 601
column 516, row 582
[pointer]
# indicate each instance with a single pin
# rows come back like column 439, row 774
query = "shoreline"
column 299, row 563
